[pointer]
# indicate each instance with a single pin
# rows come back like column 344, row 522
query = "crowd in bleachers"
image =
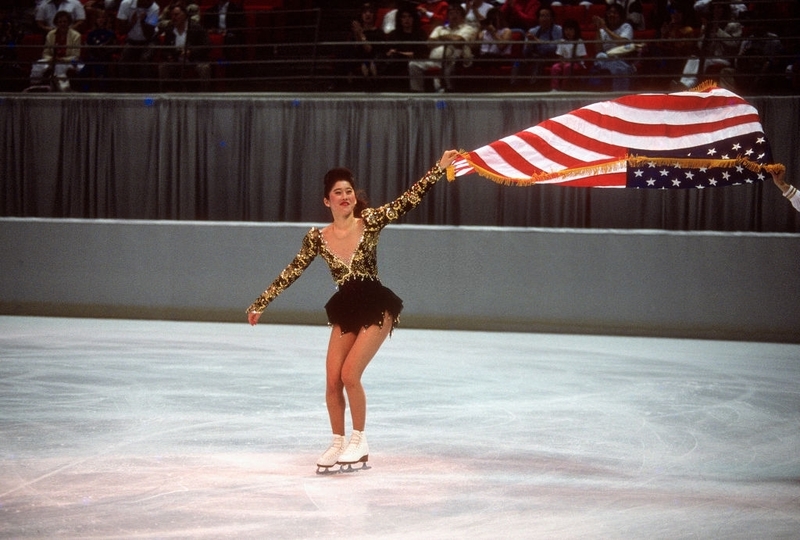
column 127, row 45
column 620, row 45
column 422, row 46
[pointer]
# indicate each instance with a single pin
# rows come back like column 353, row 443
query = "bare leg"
column 348, row 357
column 338, row 347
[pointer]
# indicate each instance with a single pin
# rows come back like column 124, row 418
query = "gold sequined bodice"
column 364, row 262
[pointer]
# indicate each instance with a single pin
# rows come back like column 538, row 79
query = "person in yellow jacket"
column 62, row 50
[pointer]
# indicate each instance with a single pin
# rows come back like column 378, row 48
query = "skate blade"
column 329, row 470
column 348, row 467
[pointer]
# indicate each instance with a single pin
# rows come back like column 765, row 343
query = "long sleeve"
column 49, row 46
column 73, row 47
column 379, row 217
column 794, row 197
column 308, row 251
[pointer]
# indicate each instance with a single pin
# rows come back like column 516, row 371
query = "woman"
column 405, row 43
column 495, row 36
column 540, row 45
column 368, row 36
column 719, row 44
column 362, row 312
column 613, row 33
column 571, row 52
column 62, row 49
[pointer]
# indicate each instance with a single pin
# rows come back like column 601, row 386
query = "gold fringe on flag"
column 632, row 160
column 611, row 166
column 703, row 86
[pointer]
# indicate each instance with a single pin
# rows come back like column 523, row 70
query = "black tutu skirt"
column 360, row 303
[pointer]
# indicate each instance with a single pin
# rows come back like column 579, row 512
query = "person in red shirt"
column 432, row 13
column 521, row 13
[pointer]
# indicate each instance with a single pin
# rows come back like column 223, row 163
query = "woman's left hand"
column 778, row 178
column 447, row 158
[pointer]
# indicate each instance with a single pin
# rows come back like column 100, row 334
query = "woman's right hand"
column 252, row 317
column 447, row 158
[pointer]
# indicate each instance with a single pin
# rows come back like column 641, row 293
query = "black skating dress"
column 361, row 300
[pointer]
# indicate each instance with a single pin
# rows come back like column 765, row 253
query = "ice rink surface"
column 152, row 429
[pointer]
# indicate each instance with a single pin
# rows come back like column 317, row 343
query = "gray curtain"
column 262, row 158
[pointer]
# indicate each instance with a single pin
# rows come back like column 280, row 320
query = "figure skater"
column 362, row 312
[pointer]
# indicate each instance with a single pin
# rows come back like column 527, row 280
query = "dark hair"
column 495, row 17
column 406, row 8
column 455, row 6
column 575, row 25
column 338, row 174
column 61, row 14
column 616, row 7
column 545, row 8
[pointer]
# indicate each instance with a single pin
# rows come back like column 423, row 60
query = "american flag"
column 694, row 139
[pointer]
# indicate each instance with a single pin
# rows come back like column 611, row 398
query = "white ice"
column 154, row 429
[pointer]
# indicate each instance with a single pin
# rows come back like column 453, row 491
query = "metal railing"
column 289, row 55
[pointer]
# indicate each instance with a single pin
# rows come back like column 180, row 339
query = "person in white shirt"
column 449, row 43
column 571, row 52
column 47, row 9
column 476, row 11
column 614, row 32
column 137, row 19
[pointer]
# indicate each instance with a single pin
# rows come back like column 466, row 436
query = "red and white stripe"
column 588, row 146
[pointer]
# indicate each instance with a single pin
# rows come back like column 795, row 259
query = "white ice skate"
column 357, row 451
column 331, row 456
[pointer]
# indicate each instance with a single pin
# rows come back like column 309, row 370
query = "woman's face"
column 545, row 19
column 62, row 23
column 406, row 21
column 569, row 33
column 613, row 19
column 341, row 197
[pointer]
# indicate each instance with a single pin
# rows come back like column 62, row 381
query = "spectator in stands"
column 432, row 13
column 704, row 7
column 677, row 41
column 368, row 38
column 759, row 65
column 634, row 13
column 615, row 36
column 47, row 9
column 62, row 49
column 571, row 53
column 521, row 14
column 476, row 11
column 541, row 42
column 404, row 44
column 187, row 47
column 137, row 21
column 719, row 44
column 100, row 47
column 226, row 19
column 447, row 46
column 165, row 17
column 494, row 37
